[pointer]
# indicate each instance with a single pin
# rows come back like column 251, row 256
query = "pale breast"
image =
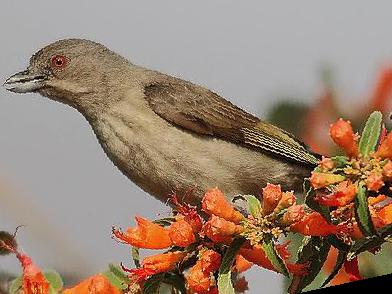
column 161, row 158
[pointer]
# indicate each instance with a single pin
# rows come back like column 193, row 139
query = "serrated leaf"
column 116, row 277
column 314, row 250
column 225, row 284
column 167, row 221
column 362, row 214
column 254, row 205
column 152, row 285
column 54, row 279
column 274, row 258
column 341, row 258
column 370, row 133
column 16, row 286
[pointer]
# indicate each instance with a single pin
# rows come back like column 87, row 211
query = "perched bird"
column 164, row 133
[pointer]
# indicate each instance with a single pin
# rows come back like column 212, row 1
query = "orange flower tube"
column 97, row 284
column 33, row 280
column 220, row 230
column 181, row 233
column 272, row 194
column 146, row 235
column 314, row 224
column 215, row 202
column 385, row 148
column 322, row 180
column 343, row 135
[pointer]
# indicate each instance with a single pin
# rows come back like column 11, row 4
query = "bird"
column 164, row 133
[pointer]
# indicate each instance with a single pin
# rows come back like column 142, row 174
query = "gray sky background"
column 59, row 181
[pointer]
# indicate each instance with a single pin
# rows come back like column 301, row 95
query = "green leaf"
column 225, row 285
column 55, row 280
column 152, row 285
column 370, row 133
column 254, row 205
column 16, row 286
column 176, row 281
column 370, row 242
column 314, row 251
column 274, row 258
column 362, row 214
column 117, row 277
column 340, row 161
column 167, row 221
column 363, row 245
column 342, row 256
column 135, row 256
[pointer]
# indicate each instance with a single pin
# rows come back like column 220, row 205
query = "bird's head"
column 70, row 71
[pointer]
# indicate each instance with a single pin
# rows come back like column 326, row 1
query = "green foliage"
column 156, row 283
column 314, row 250
column 362, row 213
column 274, row 258
column 225, row 284
column 254, row 205
column 116, row 277
column 370, row 133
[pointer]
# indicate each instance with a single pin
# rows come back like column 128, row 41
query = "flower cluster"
column 356, row 187
column 196, row 245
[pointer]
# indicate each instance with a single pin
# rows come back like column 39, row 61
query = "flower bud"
column 181, row 233
column 220, row 230
column 271, row 197
column 215, row 202
column 322, row 180
column 374, row 182
column 343, row 135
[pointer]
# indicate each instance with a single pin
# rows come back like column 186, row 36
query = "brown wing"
column 199, row 110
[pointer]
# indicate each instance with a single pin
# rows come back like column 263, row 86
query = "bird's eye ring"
column 58, row 61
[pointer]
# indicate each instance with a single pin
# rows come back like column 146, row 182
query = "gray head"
column 68, row 71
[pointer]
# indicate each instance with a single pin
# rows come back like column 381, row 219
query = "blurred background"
column 299, row 63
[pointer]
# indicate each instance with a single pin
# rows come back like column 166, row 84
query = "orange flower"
column 34, row 281
column 189, row 214
column 288, row 199
column 146, row 235
column 293, row 214
column 210, row 261
column 242, row 264
column 200, row 278
column 374, row 182
column 344, row 194
column 155, row 264
column 314, row 224
column 387, row 170
column 220, row 230
column 214, row 202
column 241, row 285
column 343, row 135
column 198, row 281
column 322, row 180
column 271, row 197
column 181, row 233
column 326, row 163
column 97, row 284
column 385, row 214
column 257, row 256
column 385, row 148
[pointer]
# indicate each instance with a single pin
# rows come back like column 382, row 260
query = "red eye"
column 58, row 61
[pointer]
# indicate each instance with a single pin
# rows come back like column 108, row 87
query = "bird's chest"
column 160, row 157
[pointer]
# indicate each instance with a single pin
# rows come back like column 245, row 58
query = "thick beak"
column 24, row 82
